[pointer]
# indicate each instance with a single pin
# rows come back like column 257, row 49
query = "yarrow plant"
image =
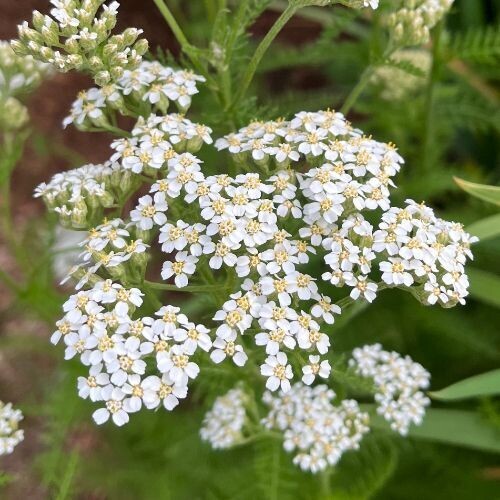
column 10, row 434
column 295, row 229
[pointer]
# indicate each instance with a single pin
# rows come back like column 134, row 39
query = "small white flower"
column 183, row 267
column 163, row 391
column 278, row 372
column 227, row 347
column 193, row 336
column 176, row 363
column 149, row 212
column 315, row 368
column 113, row 397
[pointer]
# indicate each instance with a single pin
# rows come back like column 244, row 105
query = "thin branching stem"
column 430, row 99
column 279, row 24
column 362, row 83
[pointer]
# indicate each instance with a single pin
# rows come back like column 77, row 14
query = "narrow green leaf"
column 480, row 385
column 491, row 194
column 487, row 228
column 453, row 427
column 484, row 286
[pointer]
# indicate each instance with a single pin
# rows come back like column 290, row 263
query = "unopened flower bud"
column 116, row 72
column 50, row 34
column 141, row 46
column 79, row 217
column 107, row 199
column 18, row 47
column 38, row 20
column 102, row 78
column 130, row 35
column 72, row 46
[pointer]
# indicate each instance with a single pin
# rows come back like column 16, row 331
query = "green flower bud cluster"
column 80, row 195
column 18, row 76
column 78, row 37
column 394, row 83
column 411, row 24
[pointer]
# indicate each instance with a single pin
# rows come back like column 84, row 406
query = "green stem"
column 325, row 484
column 180, row 37
column 357, row 90
column 430, row 99
column 362, row 83
column 176, row 29
column 247, row 78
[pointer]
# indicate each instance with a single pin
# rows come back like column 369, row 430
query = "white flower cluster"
column 396, row 84
column 148, row 88
column 224, row 422
column 425, row 252
column 317, row 431
column 81, row 194
column 398, row 381
column 10, row 434
column 412, row 22
column 260, row 231
column 132, row 363
column 78, row 36
column 159, row 142
column 19, row 75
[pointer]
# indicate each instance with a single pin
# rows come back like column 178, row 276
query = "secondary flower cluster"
column 412, row 22
column 317, row 431
column 398, row 383
column 425, row 252
column 78, row 37
column 148, row 88
column 10, row 434
column 396, row 84
column 224, row 422
column 19, row 75
column 120, row 351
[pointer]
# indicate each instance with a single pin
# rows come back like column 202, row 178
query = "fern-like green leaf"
column 362, row 473
column 480, row 45
column 405, row 66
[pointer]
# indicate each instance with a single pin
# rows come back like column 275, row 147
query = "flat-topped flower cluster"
column 399, row 382
column 309, row 185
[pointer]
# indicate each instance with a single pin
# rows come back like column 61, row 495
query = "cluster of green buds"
column 19, row 75
column 411, row 23
column 80, row 195
column 78, row 37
